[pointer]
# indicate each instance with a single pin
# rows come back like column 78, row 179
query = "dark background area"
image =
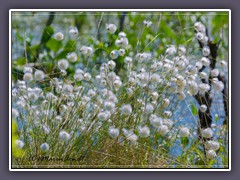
column 114, row 4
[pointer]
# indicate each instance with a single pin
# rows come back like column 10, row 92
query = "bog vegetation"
column 120, row 90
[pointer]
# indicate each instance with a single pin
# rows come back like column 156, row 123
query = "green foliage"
column 47, row 33
column 194, row 109
column 54, row 45
column 184, row 142
column 17, row 153
column 219, row 21
column 20, row 61
column 20, row 38
column 69, row 47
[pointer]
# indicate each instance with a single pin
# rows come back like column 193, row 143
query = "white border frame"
column 116, row 10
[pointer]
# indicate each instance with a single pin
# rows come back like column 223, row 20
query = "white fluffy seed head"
column 21, row 104
column 223, row 64
column 28, row 77
column 122, row 42
column 27, row 69
column 39, row 75
column 155, row 121
column 203, row 88
column 193, row 87
column 205, row 40
column 111, row 28
column 112, row 76
column 163, row 130
column 207, row 133
column 149, row 108
column 199, row 27
column 111, row 64
column 113, row 132
column 46, row 129
column 166, row 102
column 114, row 54
column 155, row 78
column 218, row 86
column 179, row 79
column 200, row 36
column 15, row 113
column 181, row 50
column 126, row 109
column 44, row 147
column 205, row 61
column 32, row 96
column 73, row 30
column 184, row 132
column 121, row 52
column 63, row 108
column 63, row 135
column 63, row 64
column 128, row 60
column 109, row 105
column 147, row 23
column 214, row 72
column 67, row 88
column 91, row 93
column 168, row 123
column 122, row 35
column 103, row 83
column 86, row 50
column 144, row 131
column 212, row 145
column 171, row 50
column 72, row 57
column 132, row 138
column 203, row 108
column 103, row 116
column 130, row 91
column 181, row 95
column 206, row 51
column 19, row 144
column 117, row 84
column 59, row 36
column 154, row 96
column 87, row 76
column 78, row 77
column 192, row 69
column 211, row 154
column 203, row 75
column 89, row 51
column 198, row 65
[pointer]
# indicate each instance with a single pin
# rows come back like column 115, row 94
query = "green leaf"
column 218, row 21
column 34, row 47
column 166, row 30
column 194, row 109
column 216, row 39
column 47, row 33
column 184, row 141
column 54, row 45
column 20, row 38
column 91, row 41
column 98, row 51
column 21, row 61
column 62, row 54
column 212, row 162
column 216, row 118
column 200, row 162
column 70, row 46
